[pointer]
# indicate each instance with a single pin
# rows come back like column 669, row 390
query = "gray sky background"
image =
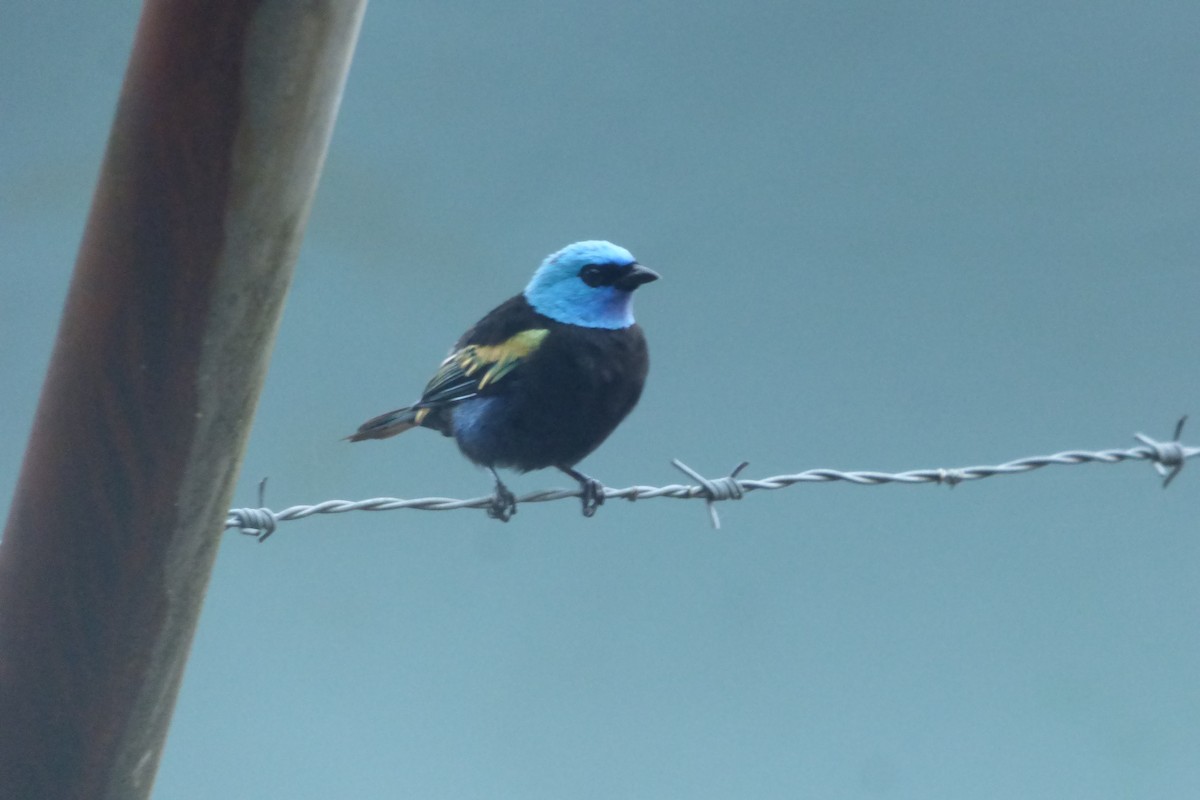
column 892, row 235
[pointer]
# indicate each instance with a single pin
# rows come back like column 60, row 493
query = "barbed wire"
column 1167, row 457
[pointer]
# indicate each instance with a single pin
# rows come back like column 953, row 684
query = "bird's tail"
column 388, row 424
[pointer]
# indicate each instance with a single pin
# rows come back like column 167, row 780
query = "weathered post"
column 217, row 143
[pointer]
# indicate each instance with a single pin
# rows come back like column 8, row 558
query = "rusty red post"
column 216, row 147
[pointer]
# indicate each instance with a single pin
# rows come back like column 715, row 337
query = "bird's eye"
column 593, row 275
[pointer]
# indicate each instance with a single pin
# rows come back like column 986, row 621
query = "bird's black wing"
column 490, row 350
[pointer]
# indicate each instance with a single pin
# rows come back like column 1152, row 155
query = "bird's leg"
column 504, row 502
column 592, row 490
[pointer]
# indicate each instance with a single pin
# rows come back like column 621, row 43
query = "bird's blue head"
column 589, row 284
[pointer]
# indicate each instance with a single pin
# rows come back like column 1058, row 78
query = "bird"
column 544, row 378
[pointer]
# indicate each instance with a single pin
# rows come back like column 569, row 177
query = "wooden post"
column 216, row 147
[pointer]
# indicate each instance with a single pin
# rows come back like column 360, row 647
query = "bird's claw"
column 504, row 504
column 592, row 495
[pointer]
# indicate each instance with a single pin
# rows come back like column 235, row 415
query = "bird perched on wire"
column 545, row 377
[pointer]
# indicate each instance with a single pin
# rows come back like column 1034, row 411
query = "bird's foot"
column 591, row 491
column 593, row 495
column 504, row 502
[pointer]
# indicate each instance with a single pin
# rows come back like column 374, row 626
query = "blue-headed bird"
column 545, row 377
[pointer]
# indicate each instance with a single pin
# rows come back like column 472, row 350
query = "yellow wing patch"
column 498, row 359
column 465, row 372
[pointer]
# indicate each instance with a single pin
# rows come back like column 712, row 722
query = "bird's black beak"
column 635, row 277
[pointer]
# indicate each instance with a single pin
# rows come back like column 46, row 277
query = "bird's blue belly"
column 476, row 429
column 503, row 432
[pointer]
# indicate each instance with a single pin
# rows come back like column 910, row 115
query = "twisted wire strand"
column 1167, row 457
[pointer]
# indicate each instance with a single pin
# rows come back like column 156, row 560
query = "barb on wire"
column 1167, row 457
column 726, row 488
